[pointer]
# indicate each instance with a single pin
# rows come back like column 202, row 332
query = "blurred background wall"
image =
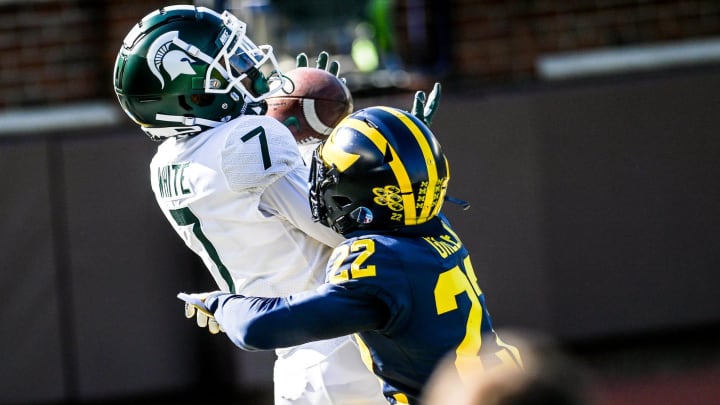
column 583, row 133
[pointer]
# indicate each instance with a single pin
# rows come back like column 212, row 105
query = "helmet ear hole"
column 341, row 201
column 202, row 100
column 183, row 103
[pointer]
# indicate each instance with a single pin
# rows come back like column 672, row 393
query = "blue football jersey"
column 411, row 296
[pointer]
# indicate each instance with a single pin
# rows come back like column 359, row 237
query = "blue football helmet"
column 380, row 168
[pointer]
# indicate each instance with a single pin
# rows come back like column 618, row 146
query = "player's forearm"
column 254, row 323
column 288, row 197
column 249, row 321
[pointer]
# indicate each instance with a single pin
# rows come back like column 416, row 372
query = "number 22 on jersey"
column 366, row 247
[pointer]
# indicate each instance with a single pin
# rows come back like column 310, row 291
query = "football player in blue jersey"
column 402, row 281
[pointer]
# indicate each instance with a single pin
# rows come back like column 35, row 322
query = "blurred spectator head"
column 550, row 376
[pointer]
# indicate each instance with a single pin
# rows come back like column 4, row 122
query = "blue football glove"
column 424, row 108
column 195, row 307
column 320, row 63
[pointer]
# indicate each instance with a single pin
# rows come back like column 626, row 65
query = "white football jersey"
column 237, row 195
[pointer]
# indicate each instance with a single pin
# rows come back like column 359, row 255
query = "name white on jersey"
column 172, row 183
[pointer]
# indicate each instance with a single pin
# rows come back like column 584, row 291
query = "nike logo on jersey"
column 172, row 182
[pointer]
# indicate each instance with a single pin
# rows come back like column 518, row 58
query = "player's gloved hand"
column 195, row 307
column 424, row 108
column 321, row 63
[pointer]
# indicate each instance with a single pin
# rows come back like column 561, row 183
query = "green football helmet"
column 381, row 168
column 184, row 69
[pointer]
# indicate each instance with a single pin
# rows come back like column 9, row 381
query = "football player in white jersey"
column 231, row 181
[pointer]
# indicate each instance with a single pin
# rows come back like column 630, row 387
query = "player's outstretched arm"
column 424, row 107
column 258, row 323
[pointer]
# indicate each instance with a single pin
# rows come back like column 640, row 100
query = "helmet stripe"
column 397, row 167
column 427, row 158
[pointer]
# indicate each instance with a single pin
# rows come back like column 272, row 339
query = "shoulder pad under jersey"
column 258, row 150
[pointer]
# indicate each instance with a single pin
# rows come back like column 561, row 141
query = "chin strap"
column 462, row 203
column 259, row 108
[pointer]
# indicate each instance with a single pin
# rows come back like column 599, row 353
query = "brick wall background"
column 58, row 51
column 500, row 40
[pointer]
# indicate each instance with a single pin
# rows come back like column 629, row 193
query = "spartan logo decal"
column 175, row 62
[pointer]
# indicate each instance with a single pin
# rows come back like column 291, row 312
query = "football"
column 312, row 102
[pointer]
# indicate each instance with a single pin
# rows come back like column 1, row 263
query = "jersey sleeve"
column 258, row 150
column 288, row 198
column 372, row 263
column 331, row 310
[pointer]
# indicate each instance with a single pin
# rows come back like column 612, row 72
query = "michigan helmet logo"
column 174, row 62
column 388, row 196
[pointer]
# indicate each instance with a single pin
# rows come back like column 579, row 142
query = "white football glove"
column 195, row 307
